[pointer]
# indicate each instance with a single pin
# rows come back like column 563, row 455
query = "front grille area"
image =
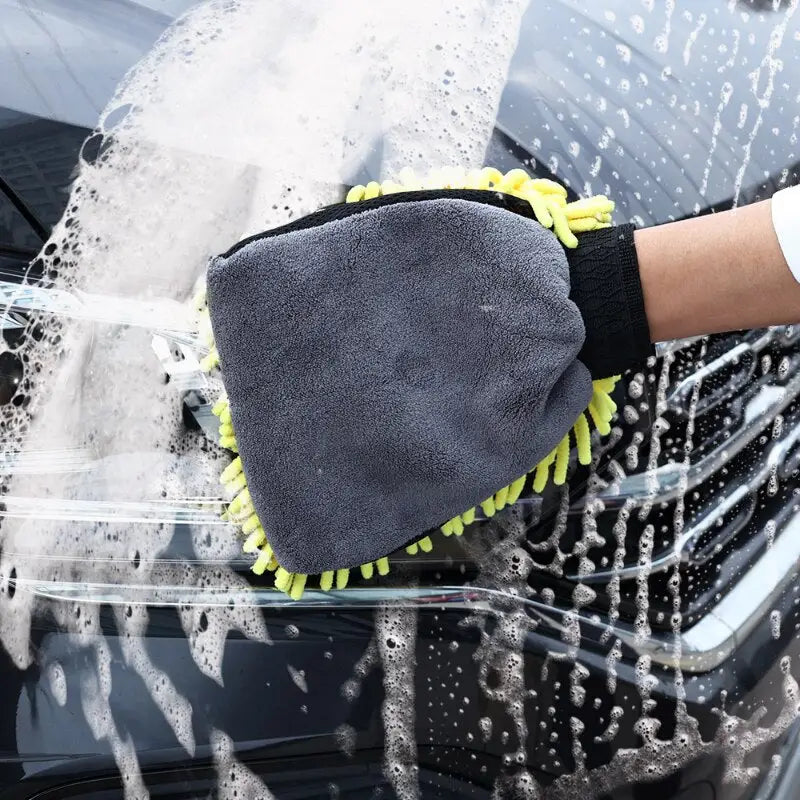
column 713, row 508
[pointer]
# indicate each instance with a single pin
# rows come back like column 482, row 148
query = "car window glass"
column 15, row 232
column 38, row 158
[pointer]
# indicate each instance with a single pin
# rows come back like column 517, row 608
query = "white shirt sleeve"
column 786, row 221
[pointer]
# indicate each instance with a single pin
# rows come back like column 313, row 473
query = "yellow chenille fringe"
column 548, row 200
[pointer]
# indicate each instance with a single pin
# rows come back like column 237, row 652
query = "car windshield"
column 632, row 631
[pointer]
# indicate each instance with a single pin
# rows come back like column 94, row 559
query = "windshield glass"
column 15, row 231
column 635, row 627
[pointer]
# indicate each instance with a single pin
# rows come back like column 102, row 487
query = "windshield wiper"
column 39, row 229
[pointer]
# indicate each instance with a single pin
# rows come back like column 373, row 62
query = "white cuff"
column 786, row 221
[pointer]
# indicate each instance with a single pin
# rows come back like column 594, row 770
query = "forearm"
column 715, row 273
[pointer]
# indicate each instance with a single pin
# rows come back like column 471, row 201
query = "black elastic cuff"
column 604, row 275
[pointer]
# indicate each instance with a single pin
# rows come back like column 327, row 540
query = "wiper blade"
column 19, row 204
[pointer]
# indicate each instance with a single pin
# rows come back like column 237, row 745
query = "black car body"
column 632, row 634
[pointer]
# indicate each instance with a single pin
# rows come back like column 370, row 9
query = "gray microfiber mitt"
column 390, row 365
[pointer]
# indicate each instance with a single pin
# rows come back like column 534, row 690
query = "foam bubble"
column 58, row 683
column 396, row 634
column 775, row 623
column 235, row 780
column 298, row 677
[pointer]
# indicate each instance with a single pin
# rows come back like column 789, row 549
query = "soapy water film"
column 281, row 106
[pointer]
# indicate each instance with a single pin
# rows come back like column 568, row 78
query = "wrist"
column 606, row 287
column 714, row 273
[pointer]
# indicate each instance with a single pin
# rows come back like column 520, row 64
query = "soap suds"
column 396, row 636
column 235, row 781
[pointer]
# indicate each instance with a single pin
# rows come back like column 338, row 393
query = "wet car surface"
column 634, row 632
